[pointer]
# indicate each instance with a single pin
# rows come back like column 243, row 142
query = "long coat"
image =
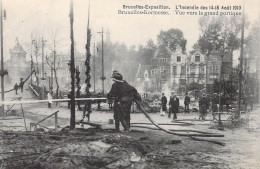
column 164, row 103
column 174, row 104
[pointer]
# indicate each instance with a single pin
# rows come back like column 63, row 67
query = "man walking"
column 21, row 84
column 16, row 87
column 164, row 105
column 174, row 105
column 186, row 103
column 203, row 105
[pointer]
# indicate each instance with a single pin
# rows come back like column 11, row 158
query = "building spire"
column 16, row 40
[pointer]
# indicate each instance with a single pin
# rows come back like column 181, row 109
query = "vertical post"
column 23, row 117
column 56, row 121
column 72, row 67
column 31, row 57
column 2, row 59
column 103, row 77
column 94, row 60
column 241, row 62
column 43, row 78
column 43, row 58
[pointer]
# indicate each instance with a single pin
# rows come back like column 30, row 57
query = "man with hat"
column 174, row 105
column 163, row 104
column 123, row 94
column 203, row 105
column 186, row 103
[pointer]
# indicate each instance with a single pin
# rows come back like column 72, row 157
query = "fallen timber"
column 193, row 131
column 141, row 107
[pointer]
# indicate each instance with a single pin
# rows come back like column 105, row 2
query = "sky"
column 45, row 18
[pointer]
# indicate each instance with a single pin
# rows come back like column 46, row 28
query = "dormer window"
column 197, row 58
column 178, row 58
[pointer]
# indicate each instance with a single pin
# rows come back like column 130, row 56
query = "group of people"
column 123, row 95
column 20, row 86
column 174, row 104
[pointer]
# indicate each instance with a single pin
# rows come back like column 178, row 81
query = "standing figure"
column 203, row 105
column 123, row 95
column 98, row 101
column 164, row 104
column 16, row 87
column 21, row 84
column 109, row 101
column 186, row 103
column 214, row 103
column 49, row 95
column 174, row 105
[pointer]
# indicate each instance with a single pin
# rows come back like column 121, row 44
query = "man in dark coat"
column 203, row 105
column 16, row 87
column 21, row 84
column 164, row 105
column 174, row 105
column 123, row 95
column 99, row 101
column 215, row 102
column 186, row 103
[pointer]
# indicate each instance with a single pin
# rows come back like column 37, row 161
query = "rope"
column 22, row 82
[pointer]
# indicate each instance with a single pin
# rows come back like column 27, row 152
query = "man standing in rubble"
column 174, row 105
column 186, row 103
column 203, row 105
column 164, row 104
column 123, row 95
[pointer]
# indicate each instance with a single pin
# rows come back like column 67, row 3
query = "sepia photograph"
column 130, row 84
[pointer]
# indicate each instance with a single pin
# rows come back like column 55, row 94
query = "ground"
column 90, row 147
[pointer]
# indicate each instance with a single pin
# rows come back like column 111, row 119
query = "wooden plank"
column 46, row 118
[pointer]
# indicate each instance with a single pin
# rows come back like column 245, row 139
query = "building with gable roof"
column 17, row 66
column 196, row 68
column 178, row 68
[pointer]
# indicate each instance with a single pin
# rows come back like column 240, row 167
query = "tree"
column 146, row 53
column 218, row 32
column 54, row 65
column 172, row 38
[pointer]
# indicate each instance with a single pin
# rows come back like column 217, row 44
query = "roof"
column 142, row 69
column 17, row 48
column 227, row 57
column 163, row 52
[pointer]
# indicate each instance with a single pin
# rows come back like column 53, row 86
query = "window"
column 197, row 58
column 174, row 70
column 152, row 72
column 146, row 74
column 214, row 69
column 178, row 58
column 163, row 70
column 210, row 69
column 225, row 76
column 183, row 70
column 192, row 68
column 201, row 69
